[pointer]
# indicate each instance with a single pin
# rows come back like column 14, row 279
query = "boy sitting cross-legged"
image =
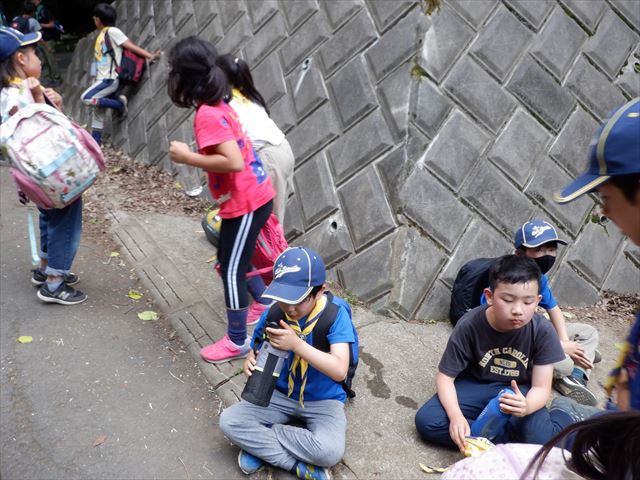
column 539, row 240
column 309, row 388
column 494, row 347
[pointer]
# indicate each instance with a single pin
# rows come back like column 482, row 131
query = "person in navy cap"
column 539, row 240
column 310, row 386
column 614, row 172
column 60, row 229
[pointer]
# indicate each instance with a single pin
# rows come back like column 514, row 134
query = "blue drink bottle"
column 491, row 421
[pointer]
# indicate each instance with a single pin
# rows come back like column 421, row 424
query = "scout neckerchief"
column 20, row 85
column 97, row 47
column 312, row 319
column 239, row 97
column 612, row 379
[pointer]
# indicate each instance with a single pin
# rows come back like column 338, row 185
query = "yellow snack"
column 476, row 445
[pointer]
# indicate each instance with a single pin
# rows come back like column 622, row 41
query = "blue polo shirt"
column 548, row 300
column 319, row 386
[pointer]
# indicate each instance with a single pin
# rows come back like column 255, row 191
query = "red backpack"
column 131, row 65
column 270, row 244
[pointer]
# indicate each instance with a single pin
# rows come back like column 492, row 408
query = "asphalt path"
column 98, row 393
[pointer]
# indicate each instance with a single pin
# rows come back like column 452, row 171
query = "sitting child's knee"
column 331, row 454
column 228, row 421
column 431, row 421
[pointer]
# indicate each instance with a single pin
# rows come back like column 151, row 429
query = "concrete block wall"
column 420, row 142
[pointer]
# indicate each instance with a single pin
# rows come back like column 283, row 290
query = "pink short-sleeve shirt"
column 238, row 193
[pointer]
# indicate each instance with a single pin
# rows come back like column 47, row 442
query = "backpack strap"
column 321, row 342
column 320, row 332
column 110, row 51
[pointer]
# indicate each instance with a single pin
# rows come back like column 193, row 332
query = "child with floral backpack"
column 60, row 228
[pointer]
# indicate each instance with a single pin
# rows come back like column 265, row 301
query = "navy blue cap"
column 535, row 233
column 295, row 272
column 615, row 150
column 11, row 40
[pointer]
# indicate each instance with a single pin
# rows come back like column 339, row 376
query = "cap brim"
column 284, row 293
column 30, row 38
column 583, row 184
column 558, row 240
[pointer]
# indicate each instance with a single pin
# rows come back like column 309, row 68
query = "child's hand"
column 54, row 96
column 576, row 352
column 249, row 363
column 514, row 404
column 283, row 338
column 179, row 152
column 458, row 430
column 33, row 84
column 155, row 56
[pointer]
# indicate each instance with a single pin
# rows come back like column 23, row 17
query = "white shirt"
column 256, row 123
column 105, row 67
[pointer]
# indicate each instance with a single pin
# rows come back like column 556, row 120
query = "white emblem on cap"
column 282, row 270
column 537, row 231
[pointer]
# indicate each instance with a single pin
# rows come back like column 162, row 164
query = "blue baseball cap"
column 295, row 272
column 615, row 150
column 11, row 40
column 535, row 233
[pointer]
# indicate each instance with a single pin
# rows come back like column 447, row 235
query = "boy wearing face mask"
column 539, row 240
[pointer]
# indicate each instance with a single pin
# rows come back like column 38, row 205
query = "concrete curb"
column 195, row 321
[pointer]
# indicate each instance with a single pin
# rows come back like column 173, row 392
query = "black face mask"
column 545, row 262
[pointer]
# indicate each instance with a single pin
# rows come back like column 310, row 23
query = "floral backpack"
column 53, row 160
column 509, row 461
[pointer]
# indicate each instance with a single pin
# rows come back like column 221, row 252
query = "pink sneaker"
column 224, row 350
column 255, row 310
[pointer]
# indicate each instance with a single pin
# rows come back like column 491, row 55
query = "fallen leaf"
column 100, row 440
column 134, row 295
column 25, row 339
column 148, row 315
column 114, row 254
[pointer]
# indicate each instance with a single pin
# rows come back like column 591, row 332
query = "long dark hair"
column 8, row 68
column 194, row 78
column 239, row 75
column 605, row 447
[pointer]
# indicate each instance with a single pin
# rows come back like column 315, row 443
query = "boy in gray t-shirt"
column 501, row 345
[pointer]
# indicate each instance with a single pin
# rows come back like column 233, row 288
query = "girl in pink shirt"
column 237, row 180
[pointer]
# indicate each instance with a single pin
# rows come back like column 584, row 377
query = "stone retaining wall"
column 420, row 141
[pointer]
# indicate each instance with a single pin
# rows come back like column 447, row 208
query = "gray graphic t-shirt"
column 487, row 355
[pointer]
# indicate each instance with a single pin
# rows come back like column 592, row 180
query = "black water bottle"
column 262, row 382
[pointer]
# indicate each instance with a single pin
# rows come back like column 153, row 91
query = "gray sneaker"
column 576, row 390
column 577, row 411
column 125, row 102
column 64, row 295
column 38, row 278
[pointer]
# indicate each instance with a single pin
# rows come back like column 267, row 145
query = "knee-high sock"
column 237, row 325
